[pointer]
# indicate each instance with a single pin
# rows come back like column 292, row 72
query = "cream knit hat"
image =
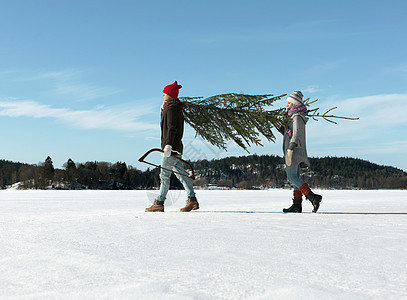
column 295, row 98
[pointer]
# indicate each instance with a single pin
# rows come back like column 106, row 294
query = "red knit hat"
column 172, row 90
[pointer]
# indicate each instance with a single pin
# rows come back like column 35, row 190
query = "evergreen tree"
column 48, row 170
column 239, row 117
column 70, row 173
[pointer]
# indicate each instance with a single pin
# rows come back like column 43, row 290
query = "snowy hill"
column 101, row 245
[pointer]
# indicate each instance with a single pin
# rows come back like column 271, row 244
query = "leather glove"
column 289, row 157
column 167, row 151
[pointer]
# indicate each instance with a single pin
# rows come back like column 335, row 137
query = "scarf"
column 168, row 103
column 295, row 109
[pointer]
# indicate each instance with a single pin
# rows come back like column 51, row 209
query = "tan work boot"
column 157, row 206
column 191, row 205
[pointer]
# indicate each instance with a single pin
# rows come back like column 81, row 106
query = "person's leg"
column 167, row 164
column 192, row 202
column 293, row 175
column 184, row 178
column 158, row 206
column 311, row 196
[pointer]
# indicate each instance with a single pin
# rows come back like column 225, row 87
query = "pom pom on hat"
column 295, row 98
column 172, row 90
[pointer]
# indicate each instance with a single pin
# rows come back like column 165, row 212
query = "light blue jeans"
column 293, row 175
column 174, row 164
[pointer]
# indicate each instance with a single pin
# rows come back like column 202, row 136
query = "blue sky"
column 84, row 79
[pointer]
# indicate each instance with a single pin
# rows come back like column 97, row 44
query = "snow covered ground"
column 101, row 245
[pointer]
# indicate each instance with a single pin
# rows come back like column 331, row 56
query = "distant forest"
column 247, row 172
column 327, row 172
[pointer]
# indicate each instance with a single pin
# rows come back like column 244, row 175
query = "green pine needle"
column 239, row 117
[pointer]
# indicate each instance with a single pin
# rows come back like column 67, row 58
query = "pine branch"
column 313, row 113
column 241, row 118
column 238, row 117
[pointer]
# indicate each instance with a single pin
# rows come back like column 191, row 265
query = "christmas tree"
column 240, row 117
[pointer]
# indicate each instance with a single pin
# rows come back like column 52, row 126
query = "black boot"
column 295, row 208
column 315, row 200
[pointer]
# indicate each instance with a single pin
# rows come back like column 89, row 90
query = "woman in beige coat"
column 295, row 152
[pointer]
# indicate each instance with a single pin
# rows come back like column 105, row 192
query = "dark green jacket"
column 172, row 126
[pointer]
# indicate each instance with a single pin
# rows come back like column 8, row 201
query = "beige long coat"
column 297, row 124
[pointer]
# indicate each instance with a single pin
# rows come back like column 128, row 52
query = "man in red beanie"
column 172, row 129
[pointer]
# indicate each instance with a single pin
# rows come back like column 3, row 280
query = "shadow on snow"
column 320, row 213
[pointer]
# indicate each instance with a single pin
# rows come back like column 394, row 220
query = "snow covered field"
column 101, row 245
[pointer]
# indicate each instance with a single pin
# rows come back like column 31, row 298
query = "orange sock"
column 304, row 188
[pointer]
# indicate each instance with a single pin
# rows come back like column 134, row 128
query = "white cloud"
column 122, row 118
column 65, row 83
column 312, row 89
column 377, row 110
column 379, row 131
column 325, row 67
column 322, row 68
column 385, row 148
column 403, row 68
column 400, row 68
